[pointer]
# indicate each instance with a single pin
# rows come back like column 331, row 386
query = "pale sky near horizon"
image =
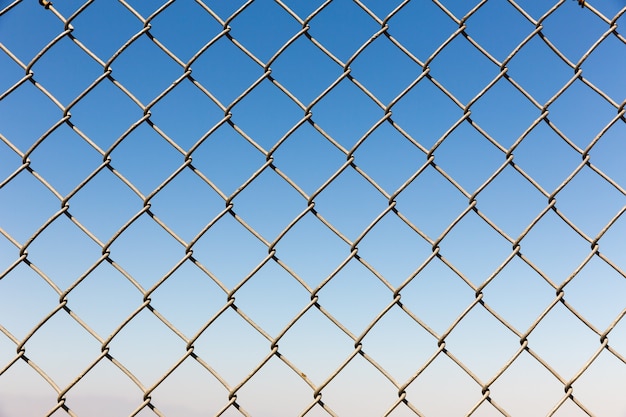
column 232, row 247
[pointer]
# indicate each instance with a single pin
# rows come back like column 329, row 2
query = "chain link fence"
column 312, row 208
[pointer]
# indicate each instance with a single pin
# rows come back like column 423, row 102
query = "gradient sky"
column 347, row 123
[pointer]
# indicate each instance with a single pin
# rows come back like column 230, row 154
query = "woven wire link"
column 231, row 402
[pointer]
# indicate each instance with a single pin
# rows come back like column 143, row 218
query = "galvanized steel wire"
column 351, row 162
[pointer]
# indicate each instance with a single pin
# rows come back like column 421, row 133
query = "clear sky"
column 405, row 179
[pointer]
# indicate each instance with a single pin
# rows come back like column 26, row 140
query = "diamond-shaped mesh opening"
column 26, row 298
column 269, row 204
column 580, row 128
column 164, row 158
column 148, row 263
column 303, row 60
column 320, row 208
column 131, row 347
column 187, row 213
column 300, row 155
column 20, row 380
column 519, row 294
column 512, row 211
column 105, row 114
column 184, row 293
column 595, row 388
column 385, row 81
column 482, row 343
column 228, row 250
column 511, row 26
column 560, row 328
column 64, row 264
column 185, row 37
column 388, row 157
column 544, row 81
column 227, row 335
column 360, row 388
column 346, row 113
column 227, row 159
column 173, row 396
column 342, row 40
column 597, row 281
column 20, row 126
column 268, row 387
column 257, row 114
column 32, row 202
column 535, row 152
column 331, row 346
column 414, row 116
column 420, row 18
column 461, row 245
column 433, row 214
column 437, row 296
column 605, row 76
column 469, row 173
column 280, row 307
column 64, row 159
column 595, row 188
column 261, row 39
column 354, row 289
column 492, row 112
column 339, row 201
column 89, row 299
column 554, row 247
column 462, row 69
column 443, row 374
column 93, row 23
column 400, row 350
column 577, row 32
column 137, row 72
column 115, row 209
column 186, row 114
column 66, row 78
column 393, row 249
column 19, row 37
column 86, row 397
column 311, row 236
column 62, row 355
column 516, row 388
column 225, row 70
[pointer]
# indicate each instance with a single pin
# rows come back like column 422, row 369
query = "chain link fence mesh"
column 314, row 263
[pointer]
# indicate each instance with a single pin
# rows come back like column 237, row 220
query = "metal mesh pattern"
column 234, row 393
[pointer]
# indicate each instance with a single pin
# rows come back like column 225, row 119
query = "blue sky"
column 228, row 134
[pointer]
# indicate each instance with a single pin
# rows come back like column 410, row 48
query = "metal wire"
column 351, row 163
